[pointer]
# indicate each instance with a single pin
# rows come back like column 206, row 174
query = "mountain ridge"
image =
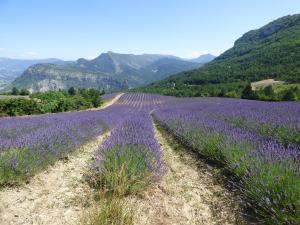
column 11, row 68
column 205, row 58
column 270, row 52
column 119, row 71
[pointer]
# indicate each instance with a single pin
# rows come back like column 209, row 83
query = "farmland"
column 256, row 143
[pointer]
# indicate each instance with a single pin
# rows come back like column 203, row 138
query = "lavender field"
column 258, row 142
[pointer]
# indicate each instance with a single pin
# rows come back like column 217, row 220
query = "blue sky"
column 70, row 29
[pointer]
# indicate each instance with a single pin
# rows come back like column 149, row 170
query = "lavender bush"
column 28, row 144
column 268, row 168
column 130, row 157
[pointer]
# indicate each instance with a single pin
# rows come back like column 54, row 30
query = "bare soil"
column 187, row 194
column 265, row 83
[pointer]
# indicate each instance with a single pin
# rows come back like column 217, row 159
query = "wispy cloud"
column 2, row 49
column 32, row 54
column 90, row 57
column 194, row 54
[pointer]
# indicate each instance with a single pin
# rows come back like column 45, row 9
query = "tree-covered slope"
column 272, row 51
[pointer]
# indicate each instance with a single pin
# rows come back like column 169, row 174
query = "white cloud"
column 90, row 57
column 2, row 49
column 194, row 54
column 32, row 54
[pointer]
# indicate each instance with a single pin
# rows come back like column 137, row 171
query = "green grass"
column 112, row 211
column 125, row 170
column 17, row 165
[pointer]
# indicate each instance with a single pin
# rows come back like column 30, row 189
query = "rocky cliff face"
column 109, row 71
column 10, row 69
column 44, row 77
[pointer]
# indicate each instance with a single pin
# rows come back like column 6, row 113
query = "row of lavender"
column 110, row 96
column 266, row 163
column 29, row 144
column 130, row 158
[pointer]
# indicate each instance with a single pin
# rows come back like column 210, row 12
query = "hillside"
column 44, row 77
column 204, row 58
column 10, row 69
column 109, row 71
column 271, row 52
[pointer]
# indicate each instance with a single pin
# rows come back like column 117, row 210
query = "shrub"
column 290, row 95
column 18, row 107
column 248, row 93
column 24, row 92
column 268, row 91
column 15, row 91
column 72, row 91
column 51, row 102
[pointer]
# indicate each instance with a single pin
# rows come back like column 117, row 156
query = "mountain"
column 203, row 59
column 271, row 52
column 109, row 71
column 12, row 68
column 44, row 77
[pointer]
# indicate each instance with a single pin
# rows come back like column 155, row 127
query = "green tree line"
column 50, row 101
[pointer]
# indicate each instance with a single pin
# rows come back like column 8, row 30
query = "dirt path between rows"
column 112, row 101
column 188, row 194
column 55, row 196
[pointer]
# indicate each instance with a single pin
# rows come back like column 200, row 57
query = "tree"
column 15, row 91
column 222, row 93
column 297, row 93
column 24, row 92
column 290, row 95
column 268, row 91
column 72, row 91
column 248, row 93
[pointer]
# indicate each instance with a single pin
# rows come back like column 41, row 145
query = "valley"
column 150, row 113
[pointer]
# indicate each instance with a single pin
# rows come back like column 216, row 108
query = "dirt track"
column 187, row 193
